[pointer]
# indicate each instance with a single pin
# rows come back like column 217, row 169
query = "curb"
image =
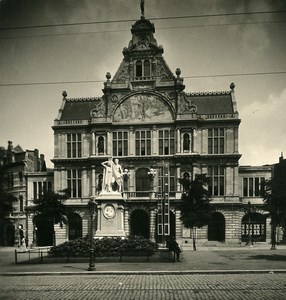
column 187, row 272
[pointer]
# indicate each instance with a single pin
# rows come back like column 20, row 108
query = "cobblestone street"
column 216, row 286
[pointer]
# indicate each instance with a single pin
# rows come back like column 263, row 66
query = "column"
column 131, row 142
column 178, row 189
column 235, row 139
column 126, row 221
column 204, row 141
column 155, row 144
column 179, row 140
column 108, row 144
column 92, row 143
column 84, row 183
column 93, row 186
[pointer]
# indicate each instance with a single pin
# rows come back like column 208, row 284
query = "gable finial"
column 142, row 8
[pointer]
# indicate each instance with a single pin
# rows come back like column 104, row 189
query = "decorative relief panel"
column 187, row 106
column 143, row 107
column 98, row 110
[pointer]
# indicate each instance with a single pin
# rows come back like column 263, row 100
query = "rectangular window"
column 35, row 190
column 74, row 183
column 217, row 180
column 216, row 141
column 166, row 142
column 73, row 145
column 143, row 142
column 256, row 186
column 252, row 186
column 245, row 187
column 120, row 143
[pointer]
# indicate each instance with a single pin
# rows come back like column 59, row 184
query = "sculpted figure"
column 112, row 173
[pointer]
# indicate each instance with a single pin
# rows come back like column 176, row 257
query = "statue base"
column 110, row 215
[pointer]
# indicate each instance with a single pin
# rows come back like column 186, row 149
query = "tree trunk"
column 194, row 239
column 273, row 235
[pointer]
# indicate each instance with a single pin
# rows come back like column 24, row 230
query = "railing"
column 145, row 194
column 42, row 255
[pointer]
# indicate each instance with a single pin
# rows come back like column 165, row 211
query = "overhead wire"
column 101, row 81
column 133, row 20
column 126, row 30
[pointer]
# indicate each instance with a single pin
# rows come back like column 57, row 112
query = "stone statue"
column 112, row 173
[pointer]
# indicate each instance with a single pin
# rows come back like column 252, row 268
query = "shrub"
column 107, row 246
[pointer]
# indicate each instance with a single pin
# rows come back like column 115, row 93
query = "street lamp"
column 91, row 209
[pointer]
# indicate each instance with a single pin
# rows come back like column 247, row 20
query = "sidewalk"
column 204, row 260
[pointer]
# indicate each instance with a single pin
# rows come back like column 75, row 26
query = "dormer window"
column 143, row 69
column 147, row 71
column 139, row 68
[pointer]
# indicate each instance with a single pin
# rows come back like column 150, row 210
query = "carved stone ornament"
column 187, row 106
column 109, row 211
column 98, row 110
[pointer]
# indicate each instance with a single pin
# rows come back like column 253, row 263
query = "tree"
column 196, row 210
column 274, row 197
column 51, row 207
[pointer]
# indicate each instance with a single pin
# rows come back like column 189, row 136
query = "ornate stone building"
column 159, row 133
column 15, row 163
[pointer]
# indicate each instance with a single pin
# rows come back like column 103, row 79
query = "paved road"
column 183, row 286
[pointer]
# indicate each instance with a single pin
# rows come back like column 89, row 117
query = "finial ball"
column 108, row 76
column 64, row 94
column 232, row 86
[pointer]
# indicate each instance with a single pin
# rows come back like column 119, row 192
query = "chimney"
column 10, row 156
column 43, row 167
column 281, row 158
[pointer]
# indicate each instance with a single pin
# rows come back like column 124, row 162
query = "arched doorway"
column 216, row 228
column 75, row 226
column 139, row 223
column 45, row 232
column 253, row 226
column 142, row 183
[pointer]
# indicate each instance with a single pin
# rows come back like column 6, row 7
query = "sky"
column 213, row 42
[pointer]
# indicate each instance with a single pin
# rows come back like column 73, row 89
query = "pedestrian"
column 174, row 247
column 23, row 246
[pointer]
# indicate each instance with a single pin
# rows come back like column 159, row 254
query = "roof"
column 212, row 103
column 78, row 109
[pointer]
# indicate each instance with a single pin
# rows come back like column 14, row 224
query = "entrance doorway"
column 75, row 226
column 139, row 223
column 45, row 233
column 216, row 228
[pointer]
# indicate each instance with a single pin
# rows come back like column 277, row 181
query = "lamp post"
column 91, row 209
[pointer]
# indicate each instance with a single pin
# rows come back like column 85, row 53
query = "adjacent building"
column 15, row 163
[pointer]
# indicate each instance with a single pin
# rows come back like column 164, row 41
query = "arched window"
column 142, row 183
column 100, row 145
column 253, row 226
column 147, row 71
column 139, row 70
column 186, row 142
column 216, row 228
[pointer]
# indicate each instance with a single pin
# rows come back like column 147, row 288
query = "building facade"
column 15, row 163
column 159, row 133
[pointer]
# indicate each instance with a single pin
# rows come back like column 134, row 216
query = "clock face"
column 109, row 211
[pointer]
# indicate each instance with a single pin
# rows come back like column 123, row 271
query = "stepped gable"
column 80, row 108
column 212, row 102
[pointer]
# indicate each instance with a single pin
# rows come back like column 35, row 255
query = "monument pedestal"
column 110, row 215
